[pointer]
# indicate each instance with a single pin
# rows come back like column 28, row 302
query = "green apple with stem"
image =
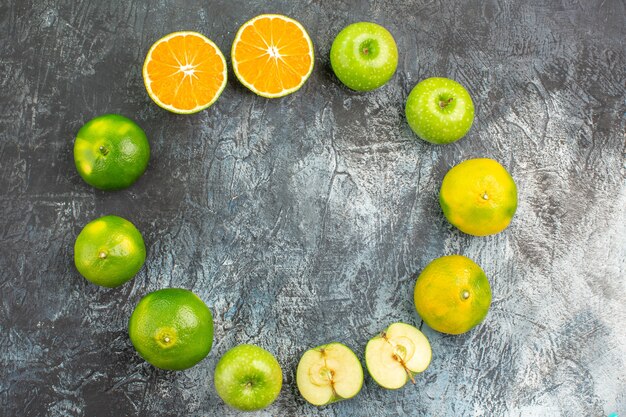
column 248, row 378
column 440, row 110
column 394, row 356
column 329, row 373
column 364, row 56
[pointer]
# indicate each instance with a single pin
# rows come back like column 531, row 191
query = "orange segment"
column 272, row 55
column 184, row 72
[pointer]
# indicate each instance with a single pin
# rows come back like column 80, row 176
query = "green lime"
column 172, row 329
column 109, row 251
column 111, row 152
column 452, row 294
column 479, row 197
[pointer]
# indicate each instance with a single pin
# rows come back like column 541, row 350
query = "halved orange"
column 272, row 55
column 184, row 72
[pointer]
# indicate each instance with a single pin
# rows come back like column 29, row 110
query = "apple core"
column 329, row 373
column 396, row 355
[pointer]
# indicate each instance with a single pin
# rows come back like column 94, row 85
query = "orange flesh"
column 272, row 55
column 185, row 72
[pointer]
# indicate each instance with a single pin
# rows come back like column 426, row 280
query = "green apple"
column 329, row 373
column 364, row 56
column 396, row 355
column 440, row 110
column 248, row 378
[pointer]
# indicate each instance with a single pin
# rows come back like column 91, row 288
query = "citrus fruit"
column 479, row 197
column 171, row 328
column 109, row 251
column 272, row 55
column 452, row 294
column 111, row 152
column 184, row 72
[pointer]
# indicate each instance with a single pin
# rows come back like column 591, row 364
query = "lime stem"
column 103, row 150
column 102, row 255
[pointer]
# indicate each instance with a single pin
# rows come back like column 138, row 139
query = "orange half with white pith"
column 272, row 55
column 184, row 72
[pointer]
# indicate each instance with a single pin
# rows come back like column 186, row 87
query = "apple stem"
column 409, row 373
column 444, row 103
column 329, row 375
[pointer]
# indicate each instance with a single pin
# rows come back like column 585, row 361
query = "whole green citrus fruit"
column 171, row 328
column 452, row 294
column 479, row 197
column 111, row 152
column 109, row 251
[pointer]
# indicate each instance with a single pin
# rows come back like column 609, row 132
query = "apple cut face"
column 329, row 373
column 396, row 354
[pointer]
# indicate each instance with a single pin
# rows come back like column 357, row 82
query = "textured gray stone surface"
column 305, row 219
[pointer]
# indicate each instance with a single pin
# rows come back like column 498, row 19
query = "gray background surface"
column 305, row 219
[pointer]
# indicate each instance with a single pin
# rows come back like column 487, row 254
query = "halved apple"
column 329, row 373
column 396, row 355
